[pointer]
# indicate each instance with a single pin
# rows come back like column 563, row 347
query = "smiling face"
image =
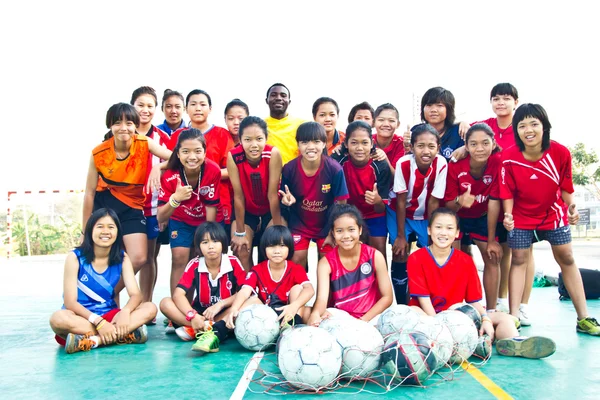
column 234, row 118
column 425, row 149
column 211, row 248
column 311, row 150
column 104, row 232
column 145, row 105
column 443, row 230
column 123, row 130
column 503, row 105
column 386, row 123
column 435, row 114
column 359, row 145
column 173, row 110
column 327, row 116
column 277, row 254
column 191, row 154
column 278, row 101
column 531, row 132
column 480, row 146
column 198, row 109
column 253, row 142
column 346, row 232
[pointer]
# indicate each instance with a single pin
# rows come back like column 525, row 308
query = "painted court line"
column 245, row 380
column 486, row 382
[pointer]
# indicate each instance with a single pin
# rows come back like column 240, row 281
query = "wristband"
column 100, row 324
column 174, row 203
column 93, row 317
column 239, row 234
column 486, row 318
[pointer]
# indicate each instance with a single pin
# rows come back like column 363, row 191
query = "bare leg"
column 380, row 243
column 491, row 277
column 563, row 254
column 529, row 275
column 516, row 281
column 504, row 326
column 148, row 272
column 303, row 312
column 245, row 256
column 179, row 259
column 504, row 271
column 301, row 257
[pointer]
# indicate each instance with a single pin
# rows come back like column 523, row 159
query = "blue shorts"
column 182, row 234
column 411, row 228
column 522, row 238
column 476, row 229
column 377, row 226
column 152, row 229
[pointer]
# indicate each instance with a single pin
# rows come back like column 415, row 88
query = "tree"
column 586, row 171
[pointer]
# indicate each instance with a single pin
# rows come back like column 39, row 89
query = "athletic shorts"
column 152, row 229
column 476, row 229
column 182, row 234
column 522, row 238
column 377, row 226
column 253, row 221
column 132, row 219
column 164, row 237
column 412, row 228
column 107, row 316
column 302, row 243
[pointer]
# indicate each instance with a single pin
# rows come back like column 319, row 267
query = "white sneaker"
column 502, row 308
column 523, row 317
column 169, row 328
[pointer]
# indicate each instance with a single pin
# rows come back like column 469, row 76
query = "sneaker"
column 75, row 343
column 588, row 325
column 169, row 328
column 502, row 308
column 186, row 333
column 484, row 347
column 153, row 322
column 140, row 335
column 528, row 347
column 207, row 342
column 523, row 317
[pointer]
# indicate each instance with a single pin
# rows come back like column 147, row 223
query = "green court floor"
column 32, row 365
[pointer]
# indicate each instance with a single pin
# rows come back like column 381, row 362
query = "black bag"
column 591, row 284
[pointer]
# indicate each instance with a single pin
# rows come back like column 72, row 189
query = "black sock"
column 220, row 330
column 400, row 282
column 297, row 320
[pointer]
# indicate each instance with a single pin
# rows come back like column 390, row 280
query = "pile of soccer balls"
column 405, row 347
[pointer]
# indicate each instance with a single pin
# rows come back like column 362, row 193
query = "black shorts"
column 253, row 221
column 164, row 237
column 132, row 220
column 476, row 229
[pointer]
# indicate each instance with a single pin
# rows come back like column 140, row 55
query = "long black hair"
column 87, row 246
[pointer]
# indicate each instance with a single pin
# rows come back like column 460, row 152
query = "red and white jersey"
column 254, row 180
column 535, row 187
column 418, row 186
column 460, row 178
column 354, row 291
column 271, row 291
column 160, row 137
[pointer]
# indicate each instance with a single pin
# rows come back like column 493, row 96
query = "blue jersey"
column 450, row 142
column 167, row 129
column 96, row 291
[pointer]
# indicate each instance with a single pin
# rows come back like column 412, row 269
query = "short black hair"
column 444, row 211
column 386, row 106
column 171, row 93
column 190, row 133
column 323, row 100
column 274, row 235
column 482, row 127
column 144, row 90
column 195, row 92
column 249, row 121
column 215, row 231
column 355, row 126
column 236, row 103
column 421, row 129
column 530, row 110
column 115, row 256
column 279, row 84
column 440, row 95
column 308, row 131
column 504, row 89
column 120, row 111
column 360, row 106
column 338, row 210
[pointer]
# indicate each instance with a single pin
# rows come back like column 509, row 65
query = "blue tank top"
column 96, row 291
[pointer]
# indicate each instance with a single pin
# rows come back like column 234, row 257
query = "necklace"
column 121, row 157
column 503, row 131
column 188, row 182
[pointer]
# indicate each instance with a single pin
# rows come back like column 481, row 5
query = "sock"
column 220, row 330
column 523, row 307
column 491, row 310
column 400, row 281
column 96, row 340
column 503, row 301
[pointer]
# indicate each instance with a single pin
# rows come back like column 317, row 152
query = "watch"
column 190, row 315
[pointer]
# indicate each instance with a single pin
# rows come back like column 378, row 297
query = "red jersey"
column 210, row 291
column 355, row 291
column 460, row 178
column 361, row 179
column 454, row 282
column 193, row 210
column 394, row 150
column 314, row 195
column 270, row 291
column 505, row 138
column 218, row 144
column 254, row 179
column 536, row 187
column 160, row 137
column 418, row 186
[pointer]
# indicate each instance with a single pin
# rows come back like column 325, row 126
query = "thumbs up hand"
column 287, row 198
column 182, row 192
column 372, row 196
column 466, row 199
column 573, row 215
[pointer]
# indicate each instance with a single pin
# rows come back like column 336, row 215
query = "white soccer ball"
column 309, row 358
column 361, row 346
column 256, row 327
column 409, row 358
column 463, row 332
column 397, row 318
column 443, row 344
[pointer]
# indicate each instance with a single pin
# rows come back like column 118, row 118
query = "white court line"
column 242, row 386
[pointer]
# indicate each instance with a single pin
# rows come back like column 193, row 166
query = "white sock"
column 502, row 300
column 489, row 311
column 523, row 307
column 96, row 340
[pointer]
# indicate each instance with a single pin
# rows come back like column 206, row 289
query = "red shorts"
column 302, row 243
column 108, row 316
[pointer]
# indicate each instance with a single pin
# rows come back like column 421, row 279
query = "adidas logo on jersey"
column 84, row 278
column 533, row 176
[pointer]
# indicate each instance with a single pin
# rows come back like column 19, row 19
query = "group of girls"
column 204, row 181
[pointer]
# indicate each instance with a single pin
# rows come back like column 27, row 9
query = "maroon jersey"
column 460, row 178
column 270, row 291
column 314, row 195
column 454, row 282
column 193, row 210
column 210, row 291
column 535, row 186
column 505, row 138
column 355, row 291
column 254, row 179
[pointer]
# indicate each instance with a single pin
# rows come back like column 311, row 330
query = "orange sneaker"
column 75, row 343
column 186, row 333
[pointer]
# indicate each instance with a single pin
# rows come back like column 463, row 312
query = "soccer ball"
column 256, row 327
column 361, row 345
column 470, row 311
column 397, row 318
column 443, row 344
column 409, row 358
column 309, row 358
column 463, row 333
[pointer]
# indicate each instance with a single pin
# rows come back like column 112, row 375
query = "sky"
column 65, row 63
